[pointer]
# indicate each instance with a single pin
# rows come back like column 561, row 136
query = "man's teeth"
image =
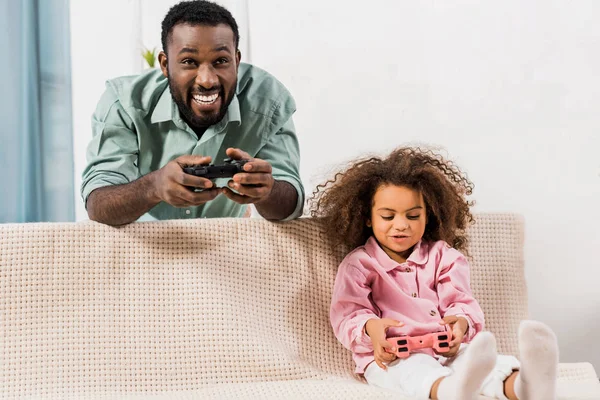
column 206, row 99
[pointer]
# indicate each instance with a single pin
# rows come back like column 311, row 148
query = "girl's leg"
column 435, row 388
column 499, row 383
column 411, row 377
column 538, row 351
column 509, row 386
column 534, row 378
column 473, row 366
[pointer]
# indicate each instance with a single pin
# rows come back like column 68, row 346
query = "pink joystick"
column 439, row 341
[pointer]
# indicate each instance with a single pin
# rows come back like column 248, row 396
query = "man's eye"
column 387, row 218
column 188, row 61
column 221, row 61
column 413, row 217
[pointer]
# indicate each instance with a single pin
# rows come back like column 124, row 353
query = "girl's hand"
column 459, row 327
column 377, row 330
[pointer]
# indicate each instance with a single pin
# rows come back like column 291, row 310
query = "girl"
column 406, row 216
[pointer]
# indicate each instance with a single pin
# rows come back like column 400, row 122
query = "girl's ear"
column 368, row 222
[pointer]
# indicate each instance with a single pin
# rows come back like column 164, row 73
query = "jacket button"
column 407, row 269
column 414, row 295
column 432, row 313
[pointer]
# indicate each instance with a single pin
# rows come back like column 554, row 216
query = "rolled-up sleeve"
column 112, row 153
column 454, row 292
column 283, row 153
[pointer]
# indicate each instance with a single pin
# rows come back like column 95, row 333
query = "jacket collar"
column 418, row 257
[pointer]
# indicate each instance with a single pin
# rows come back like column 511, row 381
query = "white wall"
column 510, row 89
column 103, row 40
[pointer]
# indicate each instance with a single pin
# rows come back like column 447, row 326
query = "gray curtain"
column 36, row 137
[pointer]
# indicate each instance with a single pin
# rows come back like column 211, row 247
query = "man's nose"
column 206, row 77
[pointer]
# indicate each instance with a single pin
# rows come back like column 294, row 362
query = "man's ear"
column 163, row 62
column 238, row 58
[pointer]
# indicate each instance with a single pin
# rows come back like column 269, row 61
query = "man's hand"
column 377, row 331
column 122, row 204
column 254, row 184
column 459, row 327
column 175, row 187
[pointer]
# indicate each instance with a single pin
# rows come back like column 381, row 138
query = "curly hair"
column 344, row 202
column 197, row 12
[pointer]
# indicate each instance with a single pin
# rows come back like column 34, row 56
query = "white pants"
column 414, row 376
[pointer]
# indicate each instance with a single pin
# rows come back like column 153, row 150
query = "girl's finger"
column 388, row 322
column 451, row 319
column 385, row 344
column 381, row 364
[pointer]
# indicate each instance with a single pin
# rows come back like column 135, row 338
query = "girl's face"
column 398, row 220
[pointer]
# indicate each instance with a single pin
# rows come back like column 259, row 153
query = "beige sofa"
column 208, row 309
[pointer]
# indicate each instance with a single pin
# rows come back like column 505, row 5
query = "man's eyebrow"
column 222, row 48
column 195, row 51
column 188, row 50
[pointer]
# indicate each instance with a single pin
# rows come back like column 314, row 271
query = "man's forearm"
column 281, row 203
column 122, row 204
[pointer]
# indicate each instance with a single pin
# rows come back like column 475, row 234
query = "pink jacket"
column 431, row 284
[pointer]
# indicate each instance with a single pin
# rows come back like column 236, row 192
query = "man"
column 202, row 106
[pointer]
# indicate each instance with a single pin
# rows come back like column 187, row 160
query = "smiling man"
column 202, row 106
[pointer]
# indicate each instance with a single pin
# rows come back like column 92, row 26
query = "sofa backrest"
column 177, row 305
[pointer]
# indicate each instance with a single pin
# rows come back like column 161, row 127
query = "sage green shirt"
column 137, row 129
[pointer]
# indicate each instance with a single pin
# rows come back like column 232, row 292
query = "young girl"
column 406, row 216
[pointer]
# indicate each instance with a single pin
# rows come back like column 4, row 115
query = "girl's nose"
column 401, row 225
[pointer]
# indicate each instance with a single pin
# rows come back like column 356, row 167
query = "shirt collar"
column 232, row 115
column 418, row 257
column 167, row 110
column 164, row 107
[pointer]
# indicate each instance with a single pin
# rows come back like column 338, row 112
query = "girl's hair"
column 344, row 202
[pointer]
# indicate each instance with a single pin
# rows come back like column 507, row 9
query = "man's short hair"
column 197, row 12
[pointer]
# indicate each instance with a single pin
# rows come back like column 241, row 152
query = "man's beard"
column 194, row 121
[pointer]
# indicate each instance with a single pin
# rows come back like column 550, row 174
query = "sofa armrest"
column 577, row 381
column 577, row 372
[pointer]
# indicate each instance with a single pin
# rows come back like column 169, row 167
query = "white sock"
column 538, row 353
column 465, row 381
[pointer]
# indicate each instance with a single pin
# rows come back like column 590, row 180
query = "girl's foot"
column 465, row 381
column 538, row 353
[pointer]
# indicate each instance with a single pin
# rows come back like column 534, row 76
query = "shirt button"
column 414, row 295
column 432, row 313
column 408, row 269
column 188, row 212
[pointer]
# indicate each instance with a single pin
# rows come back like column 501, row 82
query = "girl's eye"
column 413, row 217
column 386, row 218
